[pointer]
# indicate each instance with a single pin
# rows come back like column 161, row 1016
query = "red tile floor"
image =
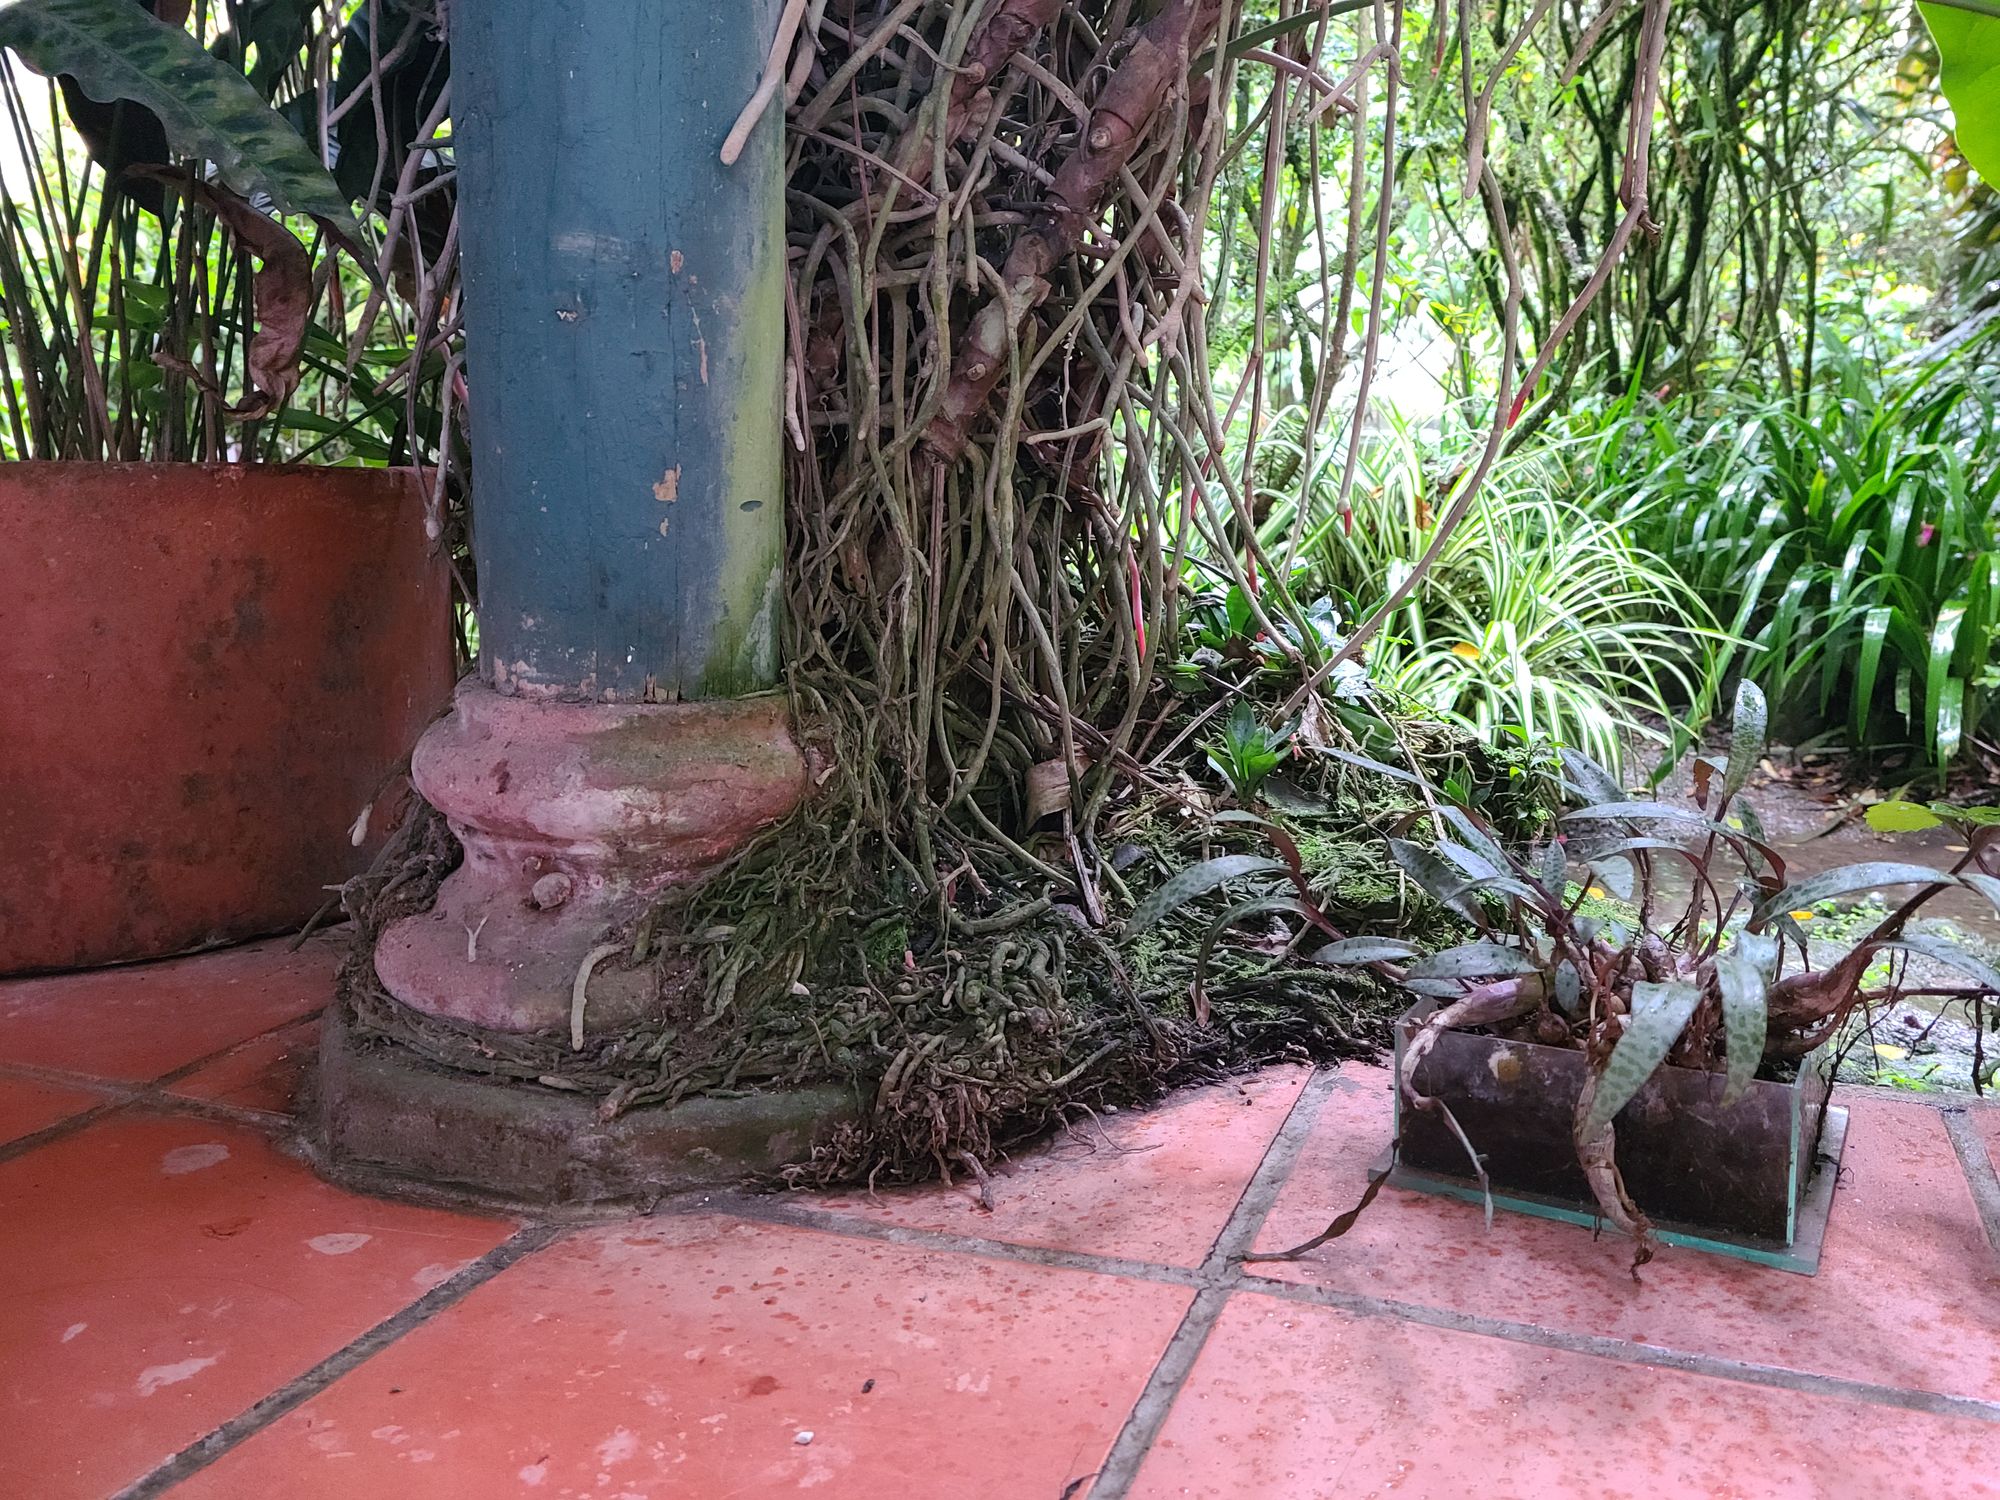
column 184, row 1307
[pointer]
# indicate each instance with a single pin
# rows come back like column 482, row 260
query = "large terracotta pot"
column 206, row 673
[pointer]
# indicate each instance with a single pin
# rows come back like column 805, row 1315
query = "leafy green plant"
column 1702, row 985
column 1854, row 545
column 128, row 237
column 1540, row 617
column 1247, row 751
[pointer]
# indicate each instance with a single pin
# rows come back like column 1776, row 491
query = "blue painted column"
column 624, row 303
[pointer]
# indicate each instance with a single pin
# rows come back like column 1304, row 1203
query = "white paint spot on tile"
column 620, row 1446
column 156, row 1377
column 532, row 1474
column 429, row 1276
column 73, row 1330
column 185, row 1159
column 390, row 1433
column 338, row 1244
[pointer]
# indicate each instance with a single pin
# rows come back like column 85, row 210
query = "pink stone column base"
column 574, row 818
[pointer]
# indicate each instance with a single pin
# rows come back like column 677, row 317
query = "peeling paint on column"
column 628, row 601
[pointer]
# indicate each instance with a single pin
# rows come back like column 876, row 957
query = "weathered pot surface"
column 208, row 672
column 1686, row 1160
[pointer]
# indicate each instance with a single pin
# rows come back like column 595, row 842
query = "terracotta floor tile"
column 138, row 1022
column 162, row 1274
column 1289, row 1402
column 1102, row 1189
column 27, row 1106
column 1908, row 1291
column 265, row 1073
column 1986, row 1120
column 684, row 1357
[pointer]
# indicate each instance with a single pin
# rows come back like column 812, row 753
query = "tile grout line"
column 1980, row 1171
column 1148, row 1416
column 1230, row 1279
column 240, row 1428
column 152, row 1093
column 1625, row 1351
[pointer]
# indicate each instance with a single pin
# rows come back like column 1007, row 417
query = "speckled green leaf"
column 115, row 50
column 1845, row 881
column 1590, row 780
column 1951, row 956
column 1433, row 876
column 1746, row 736
column 1743, row 979
column 1365, row 950
column 1196, row 880
column 1659, row 1014
column 1481, row 960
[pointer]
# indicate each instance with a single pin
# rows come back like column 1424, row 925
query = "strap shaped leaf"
column 1365, row 950
column 1589, row 779
column 115, row 50
column 1481, row 960
column 1197, row 880
column 1659, row 1014
column 1746, row 737
column 1844, row 880
column 1951, row 956
column 1433, row 876
column 1743, row 980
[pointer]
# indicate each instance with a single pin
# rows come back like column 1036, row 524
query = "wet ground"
column 191, row 1313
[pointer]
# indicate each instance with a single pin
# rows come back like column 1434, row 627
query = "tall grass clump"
column 1851, row 542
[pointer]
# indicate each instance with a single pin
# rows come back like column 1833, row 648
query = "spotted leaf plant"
column 1720, row 979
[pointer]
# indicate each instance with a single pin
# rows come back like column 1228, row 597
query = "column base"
column 385, row 1121
column 575, row 817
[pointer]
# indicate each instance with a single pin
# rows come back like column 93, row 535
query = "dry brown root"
column 1597, row 1154
column 1124, row 109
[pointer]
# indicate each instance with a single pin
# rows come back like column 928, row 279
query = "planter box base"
column 1802, row 1255
column 387, row 1122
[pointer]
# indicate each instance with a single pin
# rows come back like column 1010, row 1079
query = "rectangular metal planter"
column 1754, row 1180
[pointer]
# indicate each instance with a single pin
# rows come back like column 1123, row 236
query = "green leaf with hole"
column 1969, row 73
column 1195, row 881
column 1659, row 1015
column 1844, row 881
column 116, row 50
column 1900, row 817
column 1743, row 981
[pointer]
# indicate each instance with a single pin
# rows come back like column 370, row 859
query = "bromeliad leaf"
column 1746, row 737
column 1844, row 881
column 1365, row 950
column 115, row 50
column 1433, row 876
column 1372, row 765
column 1637, row 812
column 1481, row 960
column 1197, row 880
column 1473, row 865
column 1951, row 956
column 1743, row 980
column 1659, row 1014
column 1590, row 780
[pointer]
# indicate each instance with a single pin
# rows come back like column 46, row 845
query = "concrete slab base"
column 386, row 1121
